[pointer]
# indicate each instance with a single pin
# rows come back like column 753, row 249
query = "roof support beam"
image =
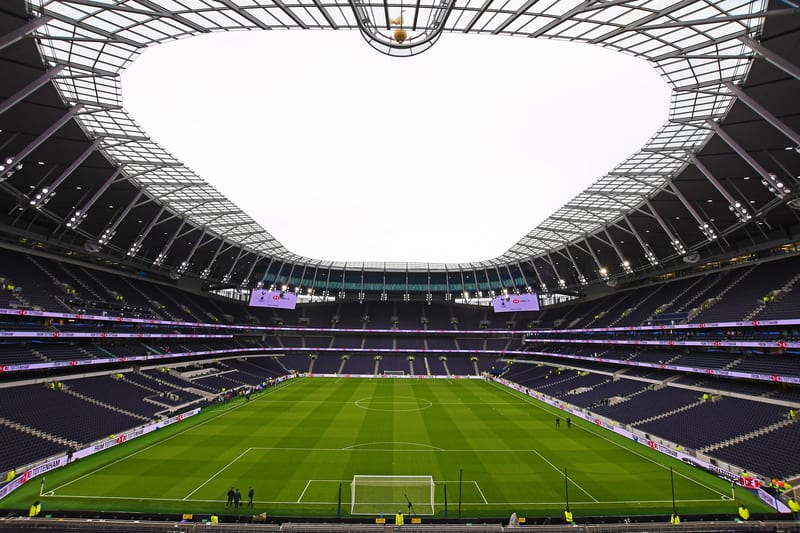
column 227, row 277
column 692, row 211
column 732, row 202
column 111, row 229
column 207, row 270
column 137, row 243
column 246, row 279
column 623, row 261
column 561, row 281
column 17, row 34
column 783, row 64
column 642, row 21
column 683, row 52
column 542, row 284
column 594, row 256
column 184, row 266
column 80, row 213
column 762, row 111
column 94, row 29
column 48, row 191
column 648, row 253
column 46, row 134
column 750, row 160
column 718, row 20
column 30, row 88
column 165, row 250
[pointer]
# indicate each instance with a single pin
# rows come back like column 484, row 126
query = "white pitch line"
column 568, row 478
column 228, row 410
column 304, row 491
column 218, row 473
column 480, row 492
column 665, row 467
column 465, row 504
column 354, row 449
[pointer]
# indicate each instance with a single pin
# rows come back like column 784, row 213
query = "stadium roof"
column 719, row 174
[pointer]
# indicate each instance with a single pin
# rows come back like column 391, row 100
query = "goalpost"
column 389, row 494
column 394, row 372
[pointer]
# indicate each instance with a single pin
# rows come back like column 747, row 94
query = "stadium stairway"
column 747, row 436
column 53, row 279
column 704, row 288
column 38, row 433
column 711, row 302
column 446, row 368
column 105, row 405
column 75, row 281
column 779, row 294
column 38, row 354
column 668, row 413
column 427, row 366
column 667, row 305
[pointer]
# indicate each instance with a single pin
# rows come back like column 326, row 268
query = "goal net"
column 394, row 372
column 389, row 494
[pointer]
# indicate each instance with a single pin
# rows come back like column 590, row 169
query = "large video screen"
column 279, row 299
column 513, row 303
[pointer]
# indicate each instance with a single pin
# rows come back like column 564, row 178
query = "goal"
column 394, row 372
column 389, row 494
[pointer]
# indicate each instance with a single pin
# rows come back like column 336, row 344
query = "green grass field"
column 298, row 443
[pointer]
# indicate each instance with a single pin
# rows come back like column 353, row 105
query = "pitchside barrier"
column 63, row 460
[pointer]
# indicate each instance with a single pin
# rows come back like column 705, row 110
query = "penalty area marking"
column 536, row 403
column 568, row 478
column 191, row 428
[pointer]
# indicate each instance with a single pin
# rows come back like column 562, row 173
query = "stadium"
column 167, row 364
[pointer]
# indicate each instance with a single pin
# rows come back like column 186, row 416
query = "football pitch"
column 489, row 451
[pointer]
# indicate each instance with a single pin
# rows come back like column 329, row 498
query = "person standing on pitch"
column 250, row 494
column 231, row 493
column 237, row 497
column 558, row 422
column 569, row 422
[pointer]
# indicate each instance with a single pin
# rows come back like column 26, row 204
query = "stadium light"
column 740, row 211
column 775, row 186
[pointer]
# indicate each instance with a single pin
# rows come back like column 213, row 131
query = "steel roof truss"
column 786, row 66
column 750, row 160
column 46, row 134
column 764, row 113
column 19, row 33
column 81, row 213
column 137, row 242
column 111, row 229
column 30, row 88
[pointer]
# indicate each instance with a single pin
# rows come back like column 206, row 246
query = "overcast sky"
column 345, row 154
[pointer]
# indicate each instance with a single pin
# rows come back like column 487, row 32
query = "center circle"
column 393, row 404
